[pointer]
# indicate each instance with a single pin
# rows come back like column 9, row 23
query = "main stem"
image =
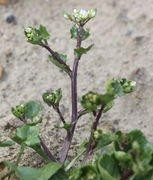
column 68, row 139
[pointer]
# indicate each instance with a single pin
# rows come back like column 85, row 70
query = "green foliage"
column 131, row 153
column 29, row 135
column 53, row 99
column 62, row 66
column 114, row 88
column 91, row 101
column 29, row 110
column 32, row 109
column 74, row 33
column 82, row 50
column 37, row 36
column 48, row 172
column 120, row 87
column 6, row 143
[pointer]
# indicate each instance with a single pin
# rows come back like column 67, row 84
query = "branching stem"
column 60, row 114
column 91, row 144
column 55, row 55
column 47, row 151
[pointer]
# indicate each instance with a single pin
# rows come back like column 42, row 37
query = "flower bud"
column 97, row 134
column 122, row 156
column 19, row 111
column 92, row 13
column 52, row 99
column 49, row 98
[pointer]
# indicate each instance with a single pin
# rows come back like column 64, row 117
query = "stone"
column 1, row 71
column 4, row 2
column 11, row 19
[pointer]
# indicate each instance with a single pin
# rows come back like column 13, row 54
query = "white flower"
column 80, row 16
column 84, row 14
column 28, row 30
column 133, row 83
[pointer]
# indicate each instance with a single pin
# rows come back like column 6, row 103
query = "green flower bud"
column 128, row 86
column 122, row 156
column 97, row 134
column 52, row 98
column 19, row 111
column 49, row 98
column 91, row 175
column 91, row 101
column 92, row 13
column 136, row 146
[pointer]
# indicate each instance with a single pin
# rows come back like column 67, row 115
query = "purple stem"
column 60, row 114
column 127, row 175
column 82, row 112
column 68, row 139
column 47, row 151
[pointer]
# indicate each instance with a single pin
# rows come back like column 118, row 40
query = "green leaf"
column 58, row 64
column 114, row 87
column 108, row 106
column 28, row 135
column 108, row 101
column 58, row 95
column 36, row 147
column 35, row 122
column 60, row 175
column 32, row 109
column 104, row 139
column 108, row 167
column 83, row 148
column 82, row 50
column 6, row 143
column 87, row 172
column 120, row 87
column 28, row 173
column 44, row 33
column 74, row 33
column 43, row 173
column 66, row 126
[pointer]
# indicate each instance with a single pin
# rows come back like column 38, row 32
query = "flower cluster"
column 36, row 36
column 80, row 16
column 52, row 99
column 19, row 111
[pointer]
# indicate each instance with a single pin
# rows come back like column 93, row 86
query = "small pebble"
column 4, row 2
column 1, row 71
column 11, row 19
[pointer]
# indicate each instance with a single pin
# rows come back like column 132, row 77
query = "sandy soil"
column 123, row 37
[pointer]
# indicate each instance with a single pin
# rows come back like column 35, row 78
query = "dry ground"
column 123, row 37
